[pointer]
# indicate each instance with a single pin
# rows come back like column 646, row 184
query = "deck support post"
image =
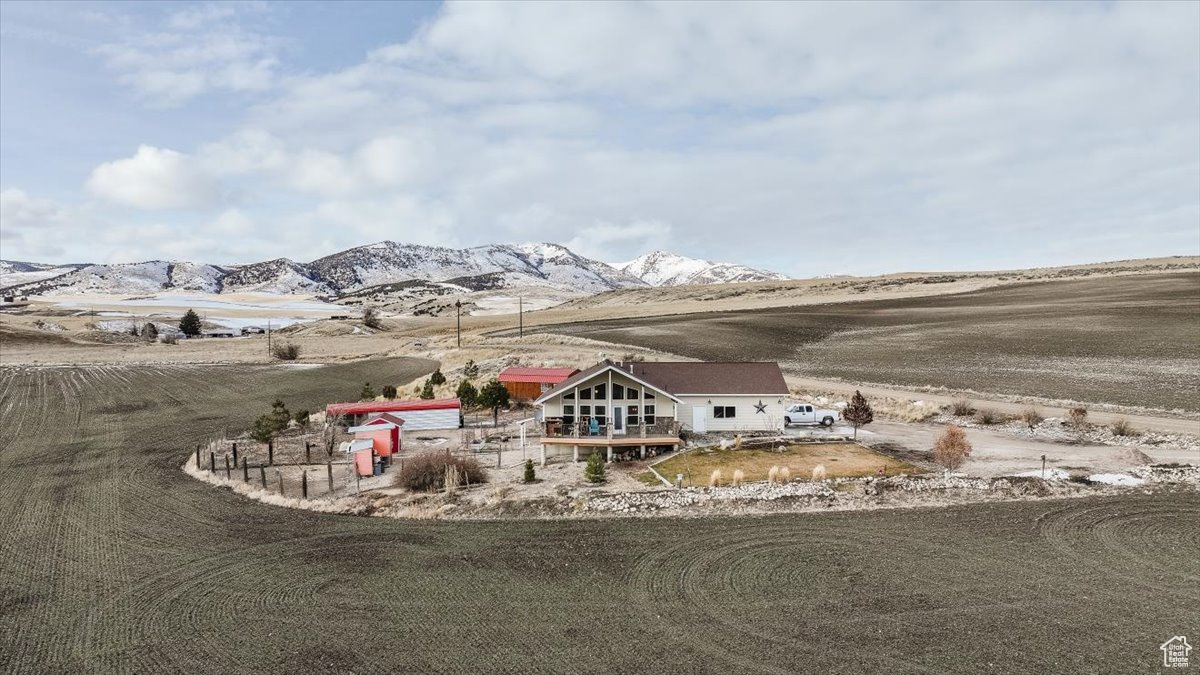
column 576, row 453
column 642, row 451
column 543, row 454
column 610, row 454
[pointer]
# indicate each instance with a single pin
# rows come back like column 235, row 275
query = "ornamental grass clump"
column 434, row 471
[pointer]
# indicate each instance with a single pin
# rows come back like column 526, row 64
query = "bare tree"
column 329, row 433
column 951, row 448
column 371, row 319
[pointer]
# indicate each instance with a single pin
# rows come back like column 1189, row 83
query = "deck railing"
column 556, row 428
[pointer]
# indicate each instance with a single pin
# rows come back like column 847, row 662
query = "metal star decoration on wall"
column 760, row 407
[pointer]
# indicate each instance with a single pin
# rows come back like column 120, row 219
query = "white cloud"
column 610, row 241
column 154, row 178
column 203, row 49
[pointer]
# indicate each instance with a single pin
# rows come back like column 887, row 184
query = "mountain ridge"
column 537, row 264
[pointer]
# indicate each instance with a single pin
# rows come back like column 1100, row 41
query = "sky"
column 806, row 138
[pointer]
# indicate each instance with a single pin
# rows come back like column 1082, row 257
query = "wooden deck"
column 605, row 441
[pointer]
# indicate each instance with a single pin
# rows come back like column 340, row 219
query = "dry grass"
column 1077, row 417
column 819, row 472
column 739, row 477
column 714, row 479
column 839, row 459
column 962, row 408
column 1122, row 427
column 1032, row 417
column 988, row 416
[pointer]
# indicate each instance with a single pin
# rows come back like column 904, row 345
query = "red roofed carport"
column 417, row 414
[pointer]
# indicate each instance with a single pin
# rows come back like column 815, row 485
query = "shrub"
column 285, row 351
column 428, row 472
column 819, row 472
column 714, row 479
column 773, row 475
column 189, row 325
column 986, row 416
column 785, row 474
column 962, row 407
column 264, row 429
column 427, row 390
column 150, row 331
column 367, row 393
column 133, row 330
column 1122, row 427
column 470, row 370
column 467, row 394
column 437, row 378
column 529, row 476
column 594, row 471
column 370, row 318
column 302, row 417
column 170, row 339
column 951, row 448
column 1077, row 417
column 739, row 477
column 1032, row 417
column 389, row 392
column 858, row 412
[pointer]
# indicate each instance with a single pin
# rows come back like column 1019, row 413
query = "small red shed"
column 383, row 430
column 530, row 383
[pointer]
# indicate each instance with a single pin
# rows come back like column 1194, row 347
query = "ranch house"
column 629, row 407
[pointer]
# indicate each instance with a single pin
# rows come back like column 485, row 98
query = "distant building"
column 530, row 383
column 253, row 330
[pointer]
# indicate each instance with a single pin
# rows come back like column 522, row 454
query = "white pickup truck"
column 803, row 413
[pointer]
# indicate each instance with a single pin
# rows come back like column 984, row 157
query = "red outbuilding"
column 530, row 383
column 437, row 413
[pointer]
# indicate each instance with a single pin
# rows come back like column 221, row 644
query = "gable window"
column 724, row 412
column 570, row 396
column 648, row 396
column 601, row 391
column 585, row 394
column 618, row 392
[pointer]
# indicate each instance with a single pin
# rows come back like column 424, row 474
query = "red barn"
column 383, row 430
column 530, row 383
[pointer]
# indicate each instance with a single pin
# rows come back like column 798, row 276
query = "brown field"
column 1125, row 340
column 839, row 460
column 113, row 560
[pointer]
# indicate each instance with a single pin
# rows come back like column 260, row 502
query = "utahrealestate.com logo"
column 1175, row 652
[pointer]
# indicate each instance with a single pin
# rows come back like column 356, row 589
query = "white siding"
column 417, row 420
column 747, row 417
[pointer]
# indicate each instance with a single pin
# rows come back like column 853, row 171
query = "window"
column 568, row 414
column 724, row 412
column 598, row 413
column 631, row 416
column 601, row 391
column 618, row 392
column 585, row 411
column 648, row 414
column 570, row 396
column 585, row 394
column 649, row 396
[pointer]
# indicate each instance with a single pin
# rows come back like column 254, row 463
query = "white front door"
column 618, row 419
column 699, row 419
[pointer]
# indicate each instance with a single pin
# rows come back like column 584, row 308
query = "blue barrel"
column 378, row 468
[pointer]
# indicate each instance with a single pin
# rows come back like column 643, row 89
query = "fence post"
column 307, row 456
column 304, row 483
column 227, row 476
column 271, row 452
column 279, row 474
column 329, row 470
column 262, row 473
column 197, row 455
column 212, row 462
column 245, row 470
column 235, row 462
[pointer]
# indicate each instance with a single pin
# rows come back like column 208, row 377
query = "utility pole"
column 268, row 339
column 458, row 320
column 520, row 316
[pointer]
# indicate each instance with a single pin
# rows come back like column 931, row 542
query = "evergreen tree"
column 150, row 331
column 367, row 393
column 437, row 378
column 280, row 415
column 530, row 476
column 494, row 396
column 858, row 413
column 427, row 390
column 264, row 429
column 189, row 325
column 467, row 394
column 302, row 417
column 389, row 392
column 470, row 370
column 594, row 472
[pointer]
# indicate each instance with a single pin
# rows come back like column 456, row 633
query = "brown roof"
column 694, row 377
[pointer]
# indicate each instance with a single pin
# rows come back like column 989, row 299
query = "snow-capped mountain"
column 661, row 268
column 492, row 267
